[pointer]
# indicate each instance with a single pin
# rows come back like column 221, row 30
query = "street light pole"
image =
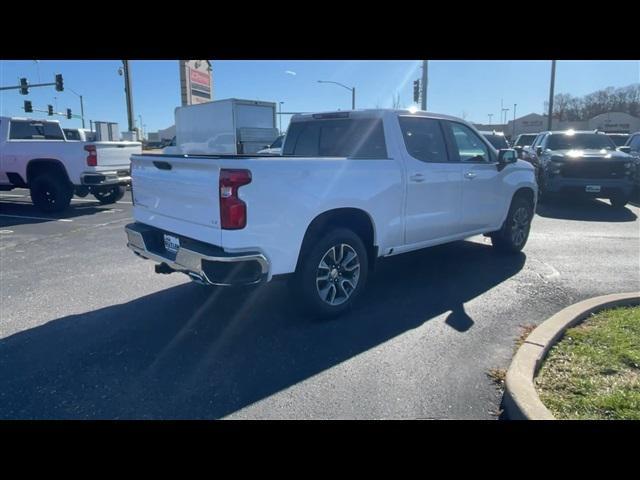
column 553, row 81
column 280, row 119
column 490, row 115
column 127, row 91
column 353, row 91
column 513, row 130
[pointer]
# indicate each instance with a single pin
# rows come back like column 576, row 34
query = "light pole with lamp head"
column 353, row 91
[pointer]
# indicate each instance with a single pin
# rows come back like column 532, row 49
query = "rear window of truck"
column 353, row 138
column 34, row 130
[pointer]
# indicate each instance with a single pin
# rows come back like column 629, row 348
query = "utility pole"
column 513, row 130
column 425, row 76
column 553, row 81
column 127, row 91
column 81, row 105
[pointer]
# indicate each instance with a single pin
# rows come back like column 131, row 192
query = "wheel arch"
column 38, row 165
column 354, row 219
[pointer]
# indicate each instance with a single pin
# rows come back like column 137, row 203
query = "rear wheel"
column 109, row 194
column 51, row 192
column 513, row 235
column 332, row 274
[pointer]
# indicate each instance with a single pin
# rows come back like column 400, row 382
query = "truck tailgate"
column 178, row 194
column 116, row 154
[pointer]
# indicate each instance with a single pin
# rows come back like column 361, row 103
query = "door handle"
column 470, row 175
column 417, row 177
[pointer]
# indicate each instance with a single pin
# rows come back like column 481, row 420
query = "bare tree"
column 396, row 101
column 623, row 99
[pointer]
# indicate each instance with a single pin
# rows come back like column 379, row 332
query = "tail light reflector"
column 233, row 211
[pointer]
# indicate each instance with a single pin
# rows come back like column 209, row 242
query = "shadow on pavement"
column 583, row 209
column 189, row 352
column 24, row 209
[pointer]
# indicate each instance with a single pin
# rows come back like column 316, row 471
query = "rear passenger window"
column 424, row 139
column 635, row 143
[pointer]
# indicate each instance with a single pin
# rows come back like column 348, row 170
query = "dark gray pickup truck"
column 585, row 163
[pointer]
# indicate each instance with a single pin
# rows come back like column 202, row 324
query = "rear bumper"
column 204, row 263
column 110, row 177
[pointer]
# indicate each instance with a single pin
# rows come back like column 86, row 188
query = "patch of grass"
column 594, row 371
column 526, row 330
column 497, row 376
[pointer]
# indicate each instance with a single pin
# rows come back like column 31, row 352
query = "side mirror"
column 506, row 156
column 538, row 150
column 626, row 149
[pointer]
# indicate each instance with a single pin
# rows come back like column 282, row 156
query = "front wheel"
column 513, row 235
column 109, row 195
column 332, row 274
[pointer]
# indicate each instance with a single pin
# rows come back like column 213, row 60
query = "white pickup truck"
column 350, row 187
column 35, row 154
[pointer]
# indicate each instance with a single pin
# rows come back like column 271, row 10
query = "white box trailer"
column 229, row 126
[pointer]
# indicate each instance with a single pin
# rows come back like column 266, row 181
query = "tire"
column 321, row 289
column 513, row 235
column 51, row 192
column 619, row 202
column 109, row 195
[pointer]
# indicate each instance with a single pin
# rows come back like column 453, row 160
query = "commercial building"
column 612, row 122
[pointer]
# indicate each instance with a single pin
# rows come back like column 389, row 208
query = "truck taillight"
column 233, row 211
column 92, row 158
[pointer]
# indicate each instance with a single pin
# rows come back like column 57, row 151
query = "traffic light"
column 27, row 106
column 59, row 84
column 24, row 86
column 50, row 109
column 416, row 91
column 69, row 113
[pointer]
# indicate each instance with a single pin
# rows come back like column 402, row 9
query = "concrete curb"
column 521, row 401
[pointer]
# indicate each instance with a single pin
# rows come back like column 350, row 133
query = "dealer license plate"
column 171, row 243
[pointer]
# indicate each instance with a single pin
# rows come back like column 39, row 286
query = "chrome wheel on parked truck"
column 332, row 273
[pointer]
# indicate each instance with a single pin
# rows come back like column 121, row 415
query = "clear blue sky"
column 470, row 88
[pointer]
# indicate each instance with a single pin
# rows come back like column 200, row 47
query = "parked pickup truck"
column 349, row 188
column 582, row 163
column 35, row 154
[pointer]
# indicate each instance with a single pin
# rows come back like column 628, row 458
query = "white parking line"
column 37, row 218
column 6, row 231
column 73, row 199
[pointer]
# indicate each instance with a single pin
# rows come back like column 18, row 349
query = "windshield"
column 498, row 141
column 619, row 140
column 278, row 142
column 580, row 141
column 525, row 140
column 71, row 134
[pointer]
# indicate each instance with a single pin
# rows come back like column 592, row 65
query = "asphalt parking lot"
column 88, row 330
